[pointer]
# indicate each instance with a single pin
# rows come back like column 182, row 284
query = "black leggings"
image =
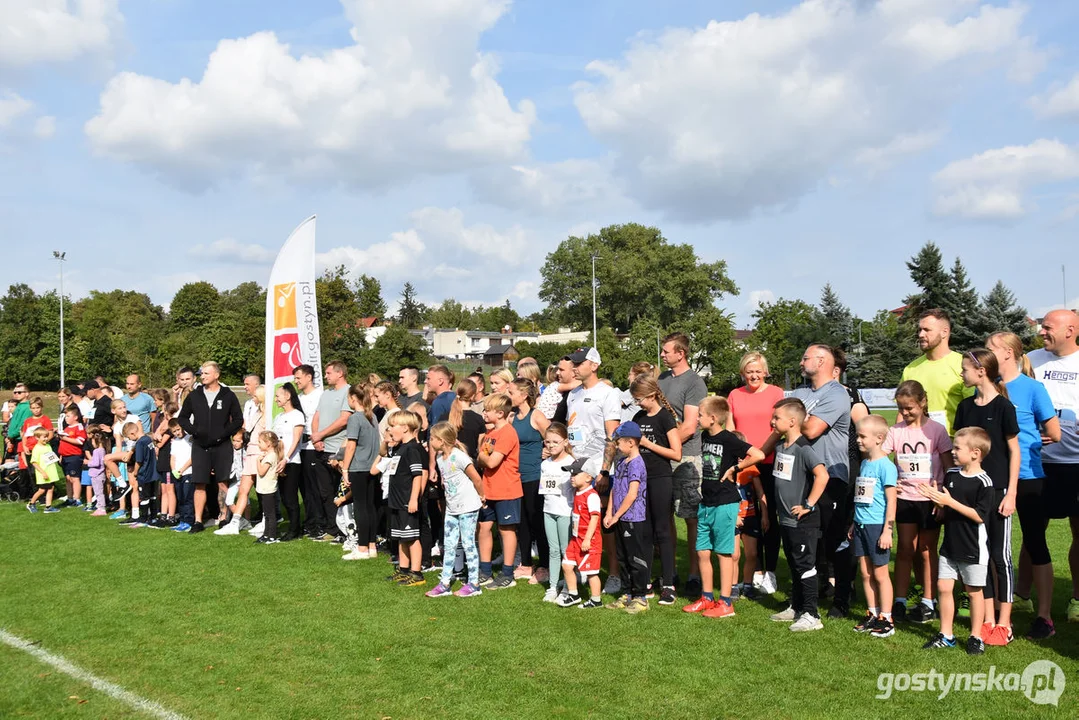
column 660, row 500
column 998, row 529
column 363, row 506
column 268, row 503
column 288, row 485
column 833, row 507
column 1033, row 519
column 531, row 529
column 771, row 541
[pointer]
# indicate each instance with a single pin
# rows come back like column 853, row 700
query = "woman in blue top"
column 1036, row 416
column 531, row 426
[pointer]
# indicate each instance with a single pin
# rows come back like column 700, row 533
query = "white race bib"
column 391, row 465
column 576, row 524
column 914, row 466
column 939, row 416
column 576, row 435
column 49, row 458
column 784, row 466
column 552, row 483
column 864, row 487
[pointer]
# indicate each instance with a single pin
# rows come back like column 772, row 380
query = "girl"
column 463, row 500
column 661, row 444
column 289, row 427
column 266, row 483
column 530, row 427
column 97, row 470
column 530, row 371
column 557, row 494
column 72, row 446
column 360, row 453
column 388, row 397
column 254, row 426
column 923, row 453
column 181, row 506
column 501, row 379
column 465, row 420
column 1033, row 409
column 630, row 408
column 162, row 438
column 991, row 410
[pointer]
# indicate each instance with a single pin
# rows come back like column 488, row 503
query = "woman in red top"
column 751, row 414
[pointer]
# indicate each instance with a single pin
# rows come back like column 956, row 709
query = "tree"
column 1000, row 311
column 450, row 314
column 394, row 349
column 783, row 330
column 935, row 285
column 193, row 305
column 411, row 313
column 835, row 323
column 963, row 307
column 369, row 297
column 639, row 273
column 495, row 317
column 713, row 347
column 545, row 353
column 21, row 332
column 887, row 345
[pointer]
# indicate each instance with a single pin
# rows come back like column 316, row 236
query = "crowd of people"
column 575, row 474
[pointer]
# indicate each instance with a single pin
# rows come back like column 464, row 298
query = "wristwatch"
column 809, row 508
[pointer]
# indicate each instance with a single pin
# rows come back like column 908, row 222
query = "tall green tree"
column 495, row 317
column 394, row 349
column 783, row 330
column 640, row 275
column 369, row 297
column 963, row 306
column 21, row 333
column 886, row 347
column 834, row 321
column 1000, row 311
column 411, row 313
column 450, row 314
column 193, row 305
column 934, row 284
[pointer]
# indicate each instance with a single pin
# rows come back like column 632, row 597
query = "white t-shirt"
column 283, row 426
column 461, row 495
column 309, row 403
column 586, row 413
column 118, row 427
column 251, row 414
column 1060, row 376
column 180, row 453
column 548, row 401
column 86, row 407
column 560, row 502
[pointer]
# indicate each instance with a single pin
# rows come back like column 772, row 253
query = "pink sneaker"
column 522, row 573
column 98, row 513
column 540, row 577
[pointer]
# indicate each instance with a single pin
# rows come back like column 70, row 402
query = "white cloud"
column 413, row 95
column 395, row 258
column 720, row 121
column 446, row 229
column 756, row 298
column 232, row 251
column 11, row 107
column 881, row 158
column 1061, row 103
column 991, row 185
column 45, row 127
column 36, row 31
column 545, row 188
column 17, row 118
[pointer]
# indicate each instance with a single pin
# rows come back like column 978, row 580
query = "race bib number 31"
column 914, row 466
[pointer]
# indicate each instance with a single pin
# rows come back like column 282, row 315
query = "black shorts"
column 1059, row 491
column 216, row 460
column 404, row 525
column 72, row 465
column 751, row 527
column 916, row 512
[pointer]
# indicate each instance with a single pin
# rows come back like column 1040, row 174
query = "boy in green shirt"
column 46, row 470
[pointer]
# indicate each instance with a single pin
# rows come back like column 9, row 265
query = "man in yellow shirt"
column 939, row 369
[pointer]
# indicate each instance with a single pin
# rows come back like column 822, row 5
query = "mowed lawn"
column 216, row 627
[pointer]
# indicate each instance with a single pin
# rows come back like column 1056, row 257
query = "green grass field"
column 218, row 627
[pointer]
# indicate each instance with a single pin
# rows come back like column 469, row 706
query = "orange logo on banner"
column 284, row 316
column 286, row 354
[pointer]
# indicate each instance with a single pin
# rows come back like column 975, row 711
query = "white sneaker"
column 806, row 623
column 613, row 586
column 258, row 528
column 244, row 523
column 230, row 528
column 357, row 555
column 349, row 544
column 758, row 580
column 783, row 616
column 768, row 585
column 550, row 596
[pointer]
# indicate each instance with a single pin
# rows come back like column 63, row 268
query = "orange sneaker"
column 700, row 606
column 721, row 610
column 998, row 635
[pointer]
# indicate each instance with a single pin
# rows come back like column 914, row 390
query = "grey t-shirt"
column 330, row 406
column 830, row 403
column 682, row 390
column 365, row 433
column 408, row 401
column 793, row 472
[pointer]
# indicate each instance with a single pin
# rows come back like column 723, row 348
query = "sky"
column 454, row 144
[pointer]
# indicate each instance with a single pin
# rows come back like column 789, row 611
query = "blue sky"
column 455, row 144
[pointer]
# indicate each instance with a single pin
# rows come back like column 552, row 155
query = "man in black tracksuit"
column 211, row 414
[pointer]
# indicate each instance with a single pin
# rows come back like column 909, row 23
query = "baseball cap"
column 589, row 465
column 627, row 429
column 581, row 354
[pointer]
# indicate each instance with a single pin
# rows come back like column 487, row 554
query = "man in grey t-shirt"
column 327, row 436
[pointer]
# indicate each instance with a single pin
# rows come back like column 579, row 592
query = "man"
column 315, row 520
column 408, row 379
column 939, row 369
column 138, row 403
column 440, row 382
column 553, row 402
column 97, row 392
column 827, row 428
column 685, row 389
column 16, row 418
column 594, row 410
column 185, row 383
column 327, row 437
column 210, row 415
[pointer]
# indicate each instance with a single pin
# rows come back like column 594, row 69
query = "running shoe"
column 502, row 582
column 975, row 646
column 413, row 580
column 1041, row 629
column 439, row 590
column 692, row 588
column 182, row 527
column 50, row 510
column 567, row 600
column 883, row 628
column 838, row 612
column 98, row 513
column 721, row 610
column 770, row 585
column 32, row 507
column 736, row 591
column 522, row 573
column 636, row 606
column 939, row 641
column 550, row 596
column 469, row 590
column 806, row 623
column 1073, row 610
column 920, row 613
column 397, row 574
column 212, row 522
column 356, row 554
column 651, row 593
column 699, row 606
column 613, row 586
column 485, row 580
column 232, row 527
column 263, row 540
column 619, row 603
column 196, row 528
column 591, row 603
column 963, row 606
column 783, row 616
column 128, row 521
column 868, row 623
column 119, row 514
column 899, row 612
column 666, row 596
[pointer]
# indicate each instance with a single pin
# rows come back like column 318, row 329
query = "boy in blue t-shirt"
column 874, row 516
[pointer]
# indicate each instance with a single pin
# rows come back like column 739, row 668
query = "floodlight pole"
column 61, row 257
column 595, row 327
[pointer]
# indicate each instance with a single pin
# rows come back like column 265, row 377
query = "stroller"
column 15, row 485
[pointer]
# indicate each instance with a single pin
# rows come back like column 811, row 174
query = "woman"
column 751, row 414
column 360, row 454
column 253, row 427
column 288, row 426
column 529, row 370
column 501, row 380
column 531, row 426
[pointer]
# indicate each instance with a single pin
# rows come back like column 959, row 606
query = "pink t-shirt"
column 917, row 456
column 752, row 413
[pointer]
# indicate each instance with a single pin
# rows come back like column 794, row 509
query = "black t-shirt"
column 410, row 460
column 998, row 419
column 964, row 539
column 718, row 453
column 472, row 426
column 655, row 428
column 562, row 411
column 103, row 411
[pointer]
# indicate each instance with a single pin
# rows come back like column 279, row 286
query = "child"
column 463, row 489
column 633, row 533
column 405, row 470
column 97, row 470
column 800, row 481
column 116, row 462
column 272, row 450
column 180, row 460
column 923, row 452
column 502, row 490
column 72, row 446
column 585, row 550
column 29, row 440
column 722, row 456
column 46, row 466
column 557, row 492
column 163, row 446
column 142, row 474
column 874, row 514
column 752, row 523
column 967, row 498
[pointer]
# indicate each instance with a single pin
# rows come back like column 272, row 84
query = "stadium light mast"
column 61, row 257
column 595, row 328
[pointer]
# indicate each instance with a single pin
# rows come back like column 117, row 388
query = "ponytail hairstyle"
column 447, row 434
column 984, row 359
column 362, row 392
column 647, row 386
column 466, row 395
column 640, row 369
column 1011, row 341
column 913, row 390
column 97, row 438
column 529, row 389
column 561, row 431
column 293, row 397
column 391, row 389
column 275, row 442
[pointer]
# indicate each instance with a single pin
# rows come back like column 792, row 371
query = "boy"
column 499, row 456
column 405, row 469
column 801, row 479
column 722, row 456
column 585, row 550
column 184, row 490
column 875, row 496
column 72, row 446
column 144, row 473
column 752, row 524
column 46, row 470
column 967, row 498
column 633, row 532
column 117, row 462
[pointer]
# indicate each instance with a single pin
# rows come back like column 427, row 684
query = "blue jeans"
column 461, row 529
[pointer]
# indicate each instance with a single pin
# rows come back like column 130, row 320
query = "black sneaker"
column 826, row 591
column 920, row 613
column 666, row 596
column 693, row 588
column 267, row 541
column 899, row 612
column 128, row 521
column 868, row 623
column 882, row 628
column 1041, row 629
column 196, row 528
column 939, row 641
column 975, row 646
column 838, row 613
column 590, row 603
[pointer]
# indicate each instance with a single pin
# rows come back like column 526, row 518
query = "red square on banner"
column 286, row 353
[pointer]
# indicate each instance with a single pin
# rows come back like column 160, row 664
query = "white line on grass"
column 69, row 668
